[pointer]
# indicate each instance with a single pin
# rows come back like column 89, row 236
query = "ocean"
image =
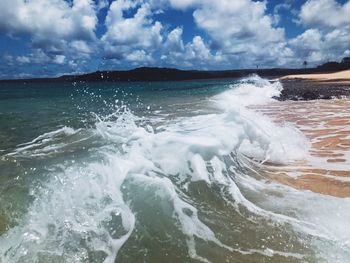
column 159, row 172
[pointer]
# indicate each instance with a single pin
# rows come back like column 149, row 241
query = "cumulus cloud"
column 173, row 48
column 102, row 4
column 228, row 21
column 199, row 53
column 127, row 33
column 311, row 39
column 246, row 35
column 183, row 4
column 139, row 56
column 317, row 47
column 241, row 30
column 174, row 42
column 23, row 59
column 308, row 46
column 228, row 34
column 39, row 57
column 327, row 34
column 43, row 19
column 81, row 47
column 194, row 53
column 325, row 13
column 56, row 28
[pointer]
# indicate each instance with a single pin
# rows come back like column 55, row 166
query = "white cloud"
column 174, row 41
column 232, row 23
column 240, row 31
column 23, row 59
column 81, row 47
column 327, row 36
column 309, row 46
column 183, row 4
column 229, row 33
column 43, row 19
column 139, row 56
column 310, row 40
column 195, row 53
column 277, row 9
column 73, row 64
column 57, row 28
column 37, row 57
column 245, row 35
column 317, row 47
column 101, row 4
column 198, row 50
column 59, row 59
column 325, row 13
column 125, row 34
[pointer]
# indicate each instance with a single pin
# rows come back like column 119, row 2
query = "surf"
column 191, row 186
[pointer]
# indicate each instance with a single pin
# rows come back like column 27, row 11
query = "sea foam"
column 85, row 211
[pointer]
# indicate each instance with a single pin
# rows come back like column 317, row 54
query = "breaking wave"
column 172, row 188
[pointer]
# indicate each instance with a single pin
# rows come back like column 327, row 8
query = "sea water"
column 156, row 172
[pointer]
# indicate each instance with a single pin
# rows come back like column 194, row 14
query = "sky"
column 40, row 38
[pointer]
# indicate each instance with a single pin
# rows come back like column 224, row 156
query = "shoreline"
column 315, row 86
column 334, row 76
column 325, row 121
column 326, row 125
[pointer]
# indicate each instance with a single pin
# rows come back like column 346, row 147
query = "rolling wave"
column 190, row 187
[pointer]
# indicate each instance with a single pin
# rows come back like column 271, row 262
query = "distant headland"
column 172, row 74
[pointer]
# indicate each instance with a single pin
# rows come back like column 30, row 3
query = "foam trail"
column 187, row 214
column 71, row 206
column 81, row 212
column 46, row 143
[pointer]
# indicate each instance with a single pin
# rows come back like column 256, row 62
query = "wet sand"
column 326, row 124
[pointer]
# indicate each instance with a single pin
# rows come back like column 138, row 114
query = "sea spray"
column 179, row 188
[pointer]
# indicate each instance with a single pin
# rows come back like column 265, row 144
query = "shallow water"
column 155, row 172
column 326, row 124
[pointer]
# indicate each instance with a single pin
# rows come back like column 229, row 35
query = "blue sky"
column 54, row 37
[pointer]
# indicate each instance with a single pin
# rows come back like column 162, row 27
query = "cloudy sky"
column 54, row 37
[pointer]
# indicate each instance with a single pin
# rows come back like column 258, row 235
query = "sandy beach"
column 343, row 76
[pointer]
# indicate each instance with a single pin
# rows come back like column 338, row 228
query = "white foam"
column 84, row 199
column 249, row 91
column 44, row 144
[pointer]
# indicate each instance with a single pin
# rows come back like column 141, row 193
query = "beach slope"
column 335, row 76
column 316, row 86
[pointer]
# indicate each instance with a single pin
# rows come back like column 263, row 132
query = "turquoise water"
column 41, row 107
column 154, row 172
